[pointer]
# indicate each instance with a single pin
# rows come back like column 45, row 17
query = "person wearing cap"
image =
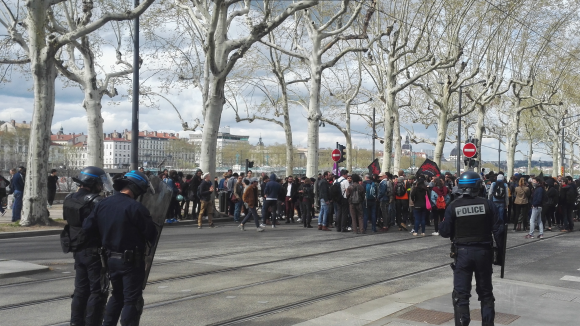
column 126, row 231
column 498, row 194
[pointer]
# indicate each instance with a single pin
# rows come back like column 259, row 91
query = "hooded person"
column 271, row 192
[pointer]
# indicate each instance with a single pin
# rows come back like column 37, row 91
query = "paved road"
column 282, row 276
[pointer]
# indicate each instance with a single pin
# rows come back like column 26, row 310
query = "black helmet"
column 135, row 180
column 92, row 176
column 470, row 182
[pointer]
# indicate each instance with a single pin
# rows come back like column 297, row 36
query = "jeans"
column 536, row 216
column 370, row 208
column 126, row 299
column 252, row 212
column 238, row 210
column 386, row 213
column 420, row 215
column 17, row 206
column 501, row 210
column 322, row 216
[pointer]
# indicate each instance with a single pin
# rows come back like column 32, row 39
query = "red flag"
column 375, row 168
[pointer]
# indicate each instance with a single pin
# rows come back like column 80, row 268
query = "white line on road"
column 570, row 278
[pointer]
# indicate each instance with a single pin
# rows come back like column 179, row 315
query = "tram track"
column 231, row 269
column 289, row 306
column 178, row 261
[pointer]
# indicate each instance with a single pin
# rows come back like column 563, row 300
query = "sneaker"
column 422, row 234
column 435, row 233
column 273, row 226
column 199, row 227
column 212, row 226
column 3, row 213
column 349, row 228
column 260, row 230
column 298, row 220
column 175, row 220
column 241, row 226
column 541, row 236
column 415, row 233
column 262, row 225
column 529, row 236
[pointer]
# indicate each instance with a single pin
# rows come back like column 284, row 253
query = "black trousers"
column 88, row 301
column 402, row 209
column 479, row 261
column 342, row 216
column 51, row 194
column 127, row 297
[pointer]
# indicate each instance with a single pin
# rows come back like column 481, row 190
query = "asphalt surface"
column 282, row 276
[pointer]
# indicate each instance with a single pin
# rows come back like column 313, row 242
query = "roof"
column 64, row 137
column 116, row 139
column 156, row 134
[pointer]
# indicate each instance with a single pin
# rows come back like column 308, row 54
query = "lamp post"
column 459, row 125
column 135, row 108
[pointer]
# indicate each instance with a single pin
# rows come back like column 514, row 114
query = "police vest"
column 472, row 221
column 75, row 210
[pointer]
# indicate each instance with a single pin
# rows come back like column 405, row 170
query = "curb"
column 39, row 233
column 24, row 234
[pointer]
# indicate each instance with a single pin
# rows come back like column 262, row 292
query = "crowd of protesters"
column 349, row 202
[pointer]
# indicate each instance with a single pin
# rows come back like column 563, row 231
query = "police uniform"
column 471, row 222
column 88, row 299
column 126, row 230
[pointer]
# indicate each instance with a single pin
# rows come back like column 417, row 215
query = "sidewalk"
column 516, row 304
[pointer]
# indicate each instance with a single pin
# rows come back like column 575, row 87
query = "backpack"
column 371, row 191
column 400, row 189
column 440, row 204
column 335, row 192
column 354, row 195
column 499, row 190
column 74, row 212
column 388, row 188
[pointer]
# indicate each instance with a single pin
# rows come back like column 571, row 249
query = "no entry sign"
column 336, row 155
column 469, row 150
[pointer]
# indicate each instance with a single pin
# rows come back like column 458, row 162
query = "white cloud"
column 13, row 114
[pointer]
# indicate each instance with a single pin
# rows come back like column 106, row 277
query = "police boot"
column 488, row 311
column 461, row 313
column 96, row 312
column 136, row 314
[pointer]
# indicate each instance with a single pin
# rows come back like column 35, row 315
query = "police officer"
column 126, row 230
column 89, row 298
column 470, row 221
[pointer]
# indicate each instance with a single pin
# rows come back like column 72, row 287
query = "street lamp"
column 459, row 124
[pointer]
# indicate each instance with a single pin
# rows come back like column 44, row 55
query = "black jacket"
column 204, row 192
column 293, row 191
column 324, row 190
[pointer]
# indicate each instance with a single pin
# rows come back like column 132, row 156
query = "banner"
column 429, row 168
column 375, row 168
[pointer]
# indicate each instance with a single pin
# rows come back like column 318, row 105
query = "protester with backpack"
column 401, row 201
column 499, row 195
column 422, row 205
column 439, row 196
column 342, row 209
column 355, row 195
column 387, row 199
column 370, row 203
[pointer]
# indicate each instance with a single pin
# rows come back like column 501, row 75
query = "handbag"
column 427, row 202
column 234, row 199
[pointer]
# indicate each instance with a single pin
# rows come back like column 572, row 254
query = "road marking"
column 570, row 278
column 230, row 296
column 162, row 287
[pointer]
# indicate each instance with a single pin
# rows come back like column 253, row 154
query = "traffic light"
column 342, row 150
column 250, row 164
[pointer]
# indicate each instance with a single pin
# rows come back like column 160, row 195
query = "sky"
column 16, row 102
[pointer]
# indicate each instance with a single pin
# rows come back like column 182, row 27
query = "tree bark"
column 479, row 130
column 512, row 142
column 211, row 126
column 95, row 142
column 44, row 75
column 313, row 119
column 530, row 153
column 397, row 139
column 441, row 135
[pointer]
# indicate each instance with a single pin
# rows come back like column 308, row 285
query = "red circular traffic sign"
column 469, row 150
column 336, row 154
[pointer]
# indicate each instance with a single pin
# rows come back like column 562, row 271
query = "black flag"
column 429, row 168
column 375, row 168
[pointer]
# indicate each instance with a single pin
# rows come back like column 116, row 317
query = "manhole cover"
column 559, row 296
column 427, row 316
column 500, row 317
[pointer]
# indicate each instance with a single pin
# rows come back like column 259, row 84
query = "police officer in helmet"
column 471, row 222
column 126, row 231
column 89, row 299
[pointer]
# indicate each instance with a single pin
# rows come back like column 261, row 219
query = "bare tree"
column 31, row 36
column 324, row 31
